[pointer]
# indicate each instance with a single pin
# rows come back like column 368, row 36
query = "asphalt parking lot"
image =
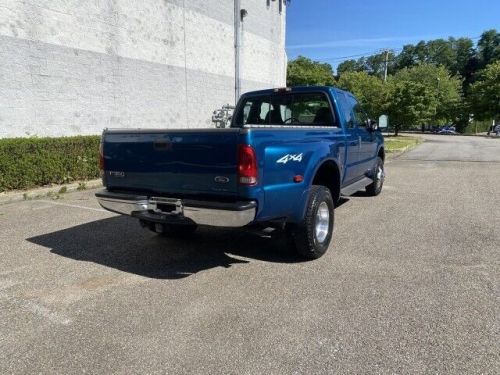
column 410, row 284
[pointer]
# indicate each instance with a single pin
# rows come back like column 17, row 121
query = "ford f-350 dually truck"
column 284, row 163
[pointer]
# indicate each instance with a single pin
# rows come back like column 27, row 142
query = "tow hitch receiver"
column 162, row 205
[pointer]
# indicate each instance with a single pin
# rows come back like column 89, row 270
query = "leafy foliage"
column 489, row 47
column 303, row 71
column 485, row 93
column 373, row 65
column 31, row 162
column 412, row 103
column 444, row 89
column 349, row 66
column 432, row 82
column 369, row 90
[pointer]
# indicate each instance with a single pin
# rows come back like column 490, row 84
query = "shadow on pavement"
column 342, row 200
column 119, row 242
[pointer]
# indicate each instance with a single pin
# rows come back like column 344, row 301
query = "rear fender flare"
column 300, row 211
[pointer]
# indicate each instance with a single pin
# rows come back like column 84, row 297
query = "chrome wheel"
column 322, row 222
column 311, row 236
column 380, row 176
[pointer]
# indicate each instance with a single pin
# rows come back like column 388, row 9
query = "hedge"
column 31, row 162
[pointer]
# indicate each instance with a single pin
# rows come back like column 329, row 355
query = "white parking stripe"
column 75, row 206
column 46, row 313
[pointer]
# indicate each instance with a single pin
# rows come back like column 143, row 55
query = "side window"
column 246, row 111
column 264, row 110
column 255, row 112
column 346, row 109
column 358, row 114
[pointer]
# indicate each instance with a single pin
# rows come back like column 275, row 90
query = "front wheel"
column 375, row 188
column 312, row 236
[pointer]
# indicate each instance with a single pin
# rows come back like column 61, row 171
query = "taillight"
column 247, row 165
column 101, row 158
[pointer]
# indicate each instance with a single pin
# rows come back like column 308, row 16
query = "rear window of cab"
column 297, row 109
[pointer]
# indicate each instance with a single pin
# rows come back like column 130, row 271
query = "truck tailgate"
column 201, row 161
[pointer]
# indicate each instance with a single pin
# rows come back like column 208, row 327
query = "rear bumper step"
column 171, row 210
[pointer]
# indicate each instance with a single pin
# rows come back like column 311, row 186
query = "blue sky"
column 327, row 30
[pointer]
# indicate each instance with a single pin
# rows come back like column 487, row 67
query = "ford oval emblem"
column 221, row 179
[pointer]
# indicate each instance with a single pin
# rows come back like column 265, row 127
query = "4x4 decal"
column 290, row 157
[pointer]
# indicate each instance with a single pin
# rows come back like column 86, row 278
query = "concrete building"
column 72, row 67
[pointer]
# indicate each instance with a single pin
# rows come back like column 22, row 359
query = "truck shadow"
column 119, row 242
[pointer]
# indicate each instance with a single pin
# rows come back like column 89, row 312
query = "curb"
column 400, row 151
column 43, row 192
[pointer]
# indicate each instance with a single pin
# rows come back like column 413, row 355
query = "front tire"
column 375, row 188
column 311, row 238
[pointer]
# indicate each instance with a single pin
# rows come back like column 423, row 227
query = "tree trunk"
column 396, row 130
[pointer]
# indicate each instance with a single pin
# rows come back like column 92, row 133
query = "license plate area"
column 172, row 206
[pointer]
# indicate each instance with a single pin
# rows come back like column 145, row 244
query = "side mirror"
column 371, row 125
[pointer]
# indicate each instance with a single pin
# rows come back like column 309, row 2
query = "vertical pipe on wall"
column 186, row 95
column 237, row 48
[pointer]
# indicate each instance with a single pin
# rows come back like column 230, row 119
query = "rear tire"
column 311, row 238
column 375, row 188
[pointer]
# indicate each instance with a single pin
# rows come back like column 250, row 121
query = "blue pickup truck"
column 282, row 165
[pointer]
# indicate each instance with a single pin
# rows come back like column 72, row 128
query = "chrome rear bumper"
column 161, row 209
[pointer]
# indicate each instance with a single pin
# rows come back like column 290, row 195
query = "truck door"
column 352, row 139
column 368, row 144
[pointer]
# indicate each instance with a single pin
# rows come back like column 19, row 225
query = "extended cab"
column 284, row 163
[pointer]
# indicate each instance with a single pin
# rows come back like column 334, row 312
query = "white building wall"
column 75, row 67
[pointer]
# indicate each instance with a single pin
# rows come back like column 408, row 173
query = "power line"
column 360, row 55
column 380, row 50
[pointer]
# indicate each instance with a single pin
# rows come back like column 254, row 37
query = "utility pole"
column 386, row 64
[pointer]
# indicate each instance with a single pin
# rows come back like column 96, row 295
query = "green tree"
column 422, row 95
column 488, row 47
column 421, row 52
column 406, row 58
column 303, row 71
column 349, row 66
column 464, row 51
column 466, row 64
column 440, row 52
column 485, row 93
column 445, row 88
column 375, row 64
column 370, row 91
column 412, row 103
column 446, row 68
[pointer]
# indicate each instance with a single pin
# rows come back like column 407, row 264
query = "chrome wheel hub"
column 380, row 176
column 322, row 222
